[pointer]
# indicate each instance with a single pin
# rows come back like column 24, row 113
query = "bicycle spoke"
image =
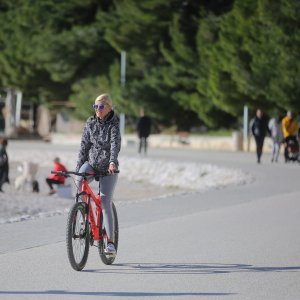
column 77, row 237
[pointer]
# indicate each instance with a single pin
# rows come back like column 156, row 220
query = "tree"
column 47, row 46
column 159, row 38
column 201, row 59
column 254, row 60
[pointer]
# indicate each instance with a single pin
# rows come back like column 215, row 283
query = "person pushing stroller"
column 290, row 131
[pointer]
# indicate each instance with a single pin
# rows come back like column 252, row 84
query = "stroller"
column 291, row 151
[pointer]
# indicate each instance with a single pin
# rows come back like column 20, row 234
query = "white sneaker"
column 110, row 249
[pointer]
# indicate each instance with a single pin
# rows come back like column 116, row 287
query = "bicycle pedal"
column 110, row 254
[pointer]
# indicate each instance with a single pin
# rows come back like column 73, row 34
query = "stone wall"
column 231, row 143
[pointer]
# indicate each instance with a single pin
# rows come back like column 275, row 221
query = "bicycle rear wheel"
column 107, row 258
column 78, row 236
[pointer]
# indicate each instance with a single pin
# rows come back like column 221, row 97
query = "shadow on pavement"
column 112, row 294
column 183, row 268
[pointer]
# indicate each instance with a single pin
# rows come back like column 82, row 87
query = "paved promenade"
column 234, row 243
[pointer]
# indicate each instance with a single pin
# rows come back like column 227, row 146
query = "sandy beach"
column 17, row 205
column 141, row 179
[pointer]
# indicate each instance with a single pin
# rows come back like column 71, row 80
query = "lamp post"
column 245, row 129
column 123, row 68
column 123, row 81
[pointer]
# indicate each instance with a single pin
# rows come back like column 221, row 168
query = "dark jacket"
column 4, row 168
column 144, row 127
column 259, row 127
column 100, row 142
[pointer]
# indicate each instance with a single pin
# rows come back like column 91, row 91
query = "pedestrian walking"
column 4, row 166
column 275, row 130
column 290, row 132
column 143, row 130
column 259, row 130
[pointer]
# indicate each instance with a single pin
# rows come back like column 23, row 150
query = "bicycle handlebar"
column 83, row 174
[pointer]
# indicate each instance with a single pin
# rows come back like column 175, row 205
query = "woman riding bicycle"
column 99, row 150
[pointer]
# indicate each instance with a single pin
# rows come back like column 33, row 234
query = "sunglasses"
column 100, row 107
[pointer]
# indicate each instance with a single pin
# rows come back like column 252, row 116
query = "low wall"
column 231, row 143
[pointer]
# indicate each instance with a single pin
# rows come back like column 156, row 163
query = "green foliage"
column 47, row 46
column 254, row 60
column 188, row 62
column 85, row 92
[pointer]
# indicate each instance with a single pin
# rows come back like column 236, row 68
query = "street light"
column 123, row 81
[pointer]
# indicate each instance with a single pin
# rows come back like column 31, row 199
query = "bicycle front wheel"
column 78, row 236
column 107, row 258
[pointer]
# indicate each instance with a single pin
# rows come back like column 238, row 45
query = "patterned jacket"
column 100, row 142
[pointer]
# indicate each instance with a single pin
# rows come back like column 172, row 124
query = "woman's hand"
column 112, row 168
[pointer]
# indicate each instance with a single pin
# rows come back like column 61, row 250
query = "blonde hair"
column 105, row 98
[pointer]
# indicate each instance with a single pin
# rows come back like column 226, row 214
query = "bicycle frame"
column 94, row 215
column 87, row 228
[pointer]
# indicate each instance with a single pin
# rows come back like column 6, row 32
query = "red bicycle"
column 85, row 224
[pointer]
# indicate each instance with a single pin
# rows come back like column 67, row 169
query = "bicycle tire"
column 108, row 259
column 78, row 241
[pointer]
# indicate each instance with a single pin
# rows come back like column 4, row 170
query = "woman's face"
column 102, row 109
